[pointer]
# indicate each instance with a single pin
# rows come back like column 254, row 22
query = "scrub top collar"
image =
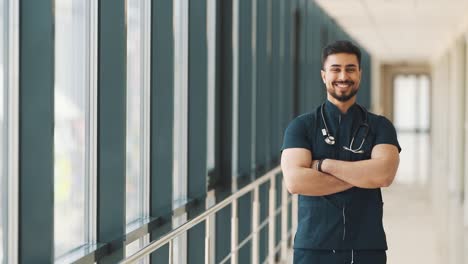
column 334, row 112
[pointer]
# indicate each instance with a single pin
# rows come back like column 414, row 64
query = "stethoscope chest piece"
column 330, row 140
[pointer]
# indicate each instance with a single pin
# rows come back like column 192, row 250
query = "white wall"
column 448, row 149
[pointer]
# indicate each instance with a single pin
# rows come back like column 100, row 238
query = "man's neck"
column 343, row 106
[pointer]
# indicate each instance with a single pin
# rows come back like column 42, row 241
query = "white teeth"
column 342, row 85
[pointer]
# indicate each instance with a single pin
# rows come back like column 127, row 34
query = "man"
column 336, row 159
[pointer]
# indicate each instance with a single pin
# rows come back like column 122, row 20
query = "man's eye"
column 351, row 70
column 335, row 70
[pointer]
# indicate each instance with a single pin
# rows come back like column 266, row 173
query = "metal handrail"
column 168, row 238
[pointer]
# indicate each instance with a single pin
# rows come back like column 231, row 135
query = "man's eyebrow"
column 347, row 66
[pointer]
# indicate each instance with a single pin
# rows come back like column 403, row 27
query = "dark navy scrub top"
column 351, row 219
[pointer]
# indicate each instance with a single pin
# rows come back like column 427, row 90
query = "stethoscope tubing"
column 330, row 140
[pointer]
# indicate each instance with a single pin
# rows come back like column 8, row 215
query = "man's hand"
column 379, row 171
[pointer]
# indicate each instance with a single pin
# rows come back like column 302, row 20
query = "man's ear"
column 322, row 72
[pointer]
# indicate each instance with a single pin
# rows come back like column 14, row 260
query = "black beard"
column 345, row 97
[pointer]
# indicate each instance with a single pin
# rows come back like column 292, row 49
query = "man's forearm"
column 306, row 181
column 364, row 174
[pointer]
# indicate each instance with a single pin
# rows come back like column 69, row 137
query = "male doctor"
column 336, row 158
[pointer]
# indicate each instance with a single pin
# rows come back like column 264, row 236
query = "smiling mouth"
column 343, row 84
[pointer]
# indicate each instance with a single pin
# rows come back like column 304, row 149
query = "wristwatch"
column 319, row 165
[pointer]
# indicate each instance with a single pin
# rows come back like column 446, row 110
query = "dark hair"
column 341, row 46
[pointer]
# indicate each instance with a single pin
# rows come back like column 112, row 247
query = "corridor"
column 151, row 131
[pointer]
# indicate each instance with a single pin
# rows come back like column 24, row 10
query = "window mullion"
column 146, row 98
column 91, row 185
column 12, row 88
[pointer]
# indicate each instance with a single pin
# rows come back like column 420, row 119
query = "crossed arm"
column 301, row 177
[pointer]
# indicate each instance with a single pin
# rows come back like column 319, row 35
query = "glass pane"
column 424, row 100
column 134, row 103
column 414, row 160
column 412, row 102
column 405, row 94
column 211, row 43
column 180, row 242
column 71, row 123
column 412, row 117
column 180, row 19
column 137, row 245
column 3, row 147
column 132, row 248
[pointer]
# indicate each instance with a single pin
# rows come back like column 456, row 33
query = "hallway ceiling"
column 400, row 30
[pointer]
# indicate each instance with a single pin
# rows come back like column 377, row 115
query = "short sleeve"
column 386, row 133
column 295, row 135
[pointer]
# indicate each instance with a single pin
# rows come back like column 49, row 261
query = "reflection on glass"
column 71, row 84
column 134, row 103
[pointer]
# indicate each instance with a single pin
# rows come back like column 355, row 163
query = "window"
column 180, row 19
column 211, row 72
column 211, row 122
column 138, row 118
column 138, row 110
column 75, row 136
column 180, row 101
column 411, row 105
column 412, row 102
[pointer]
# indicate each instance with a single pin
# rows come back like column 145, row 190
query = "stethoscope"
column 330, row 140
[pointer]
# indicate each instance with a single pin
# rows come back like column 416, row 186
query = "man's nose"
column 343, row 75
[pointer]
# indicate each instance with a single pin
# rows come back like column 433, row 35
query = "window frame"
column 11, row 132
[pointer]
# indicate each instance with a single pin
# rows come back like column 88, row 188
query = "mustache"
column 347, row 82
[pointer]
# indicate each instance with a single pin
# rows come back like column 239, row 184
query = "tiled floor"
column 409, row 225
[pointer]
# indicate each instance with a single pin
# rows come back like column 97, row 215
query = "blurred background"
column 122, row 120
